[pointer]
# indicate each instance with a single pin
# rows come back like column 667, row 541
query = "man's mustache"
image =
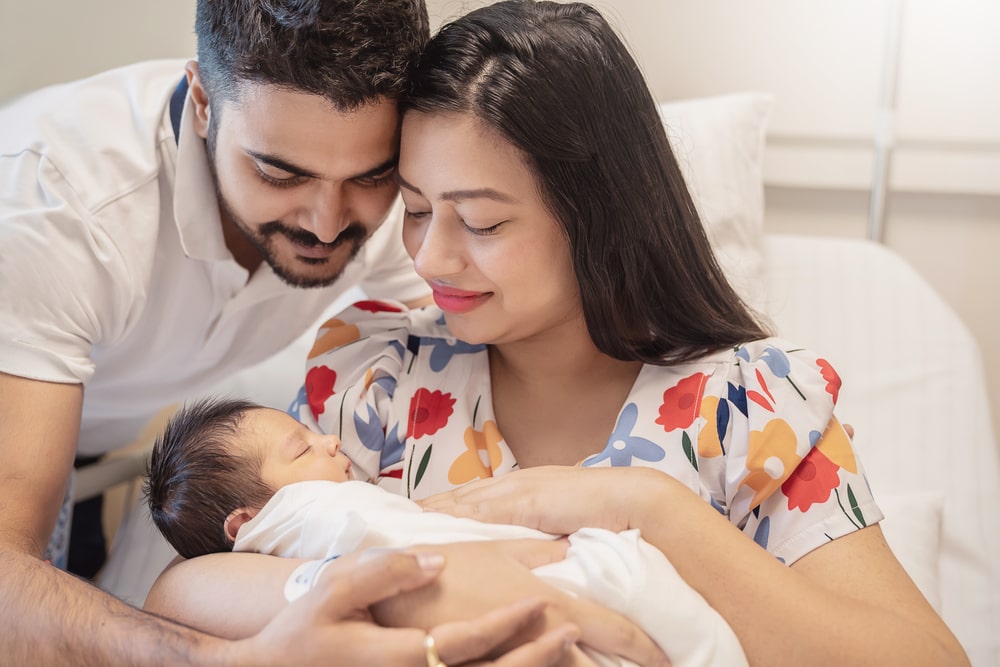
column 355, row 231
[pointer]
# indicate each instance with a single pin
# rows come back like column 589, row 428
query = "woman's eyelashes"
column 483, row 231
column 415, row 215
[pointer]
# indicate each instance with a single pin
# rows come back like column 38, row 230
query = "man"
column 165, row 225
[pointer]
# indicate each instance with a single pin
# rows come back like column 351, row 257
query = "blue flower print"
column 763, row 532
column 622, row 446
column 377, row 439
column 301, row 400
column 777, row 361
column 443, row 350
column 392, row 452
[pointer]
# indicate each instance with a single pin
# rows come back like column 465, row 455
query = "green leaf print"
column 689, row 449
column 853, row 503
column 422, row 468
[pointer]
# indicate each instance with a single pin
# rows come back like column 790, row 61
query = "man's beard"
column 354, row 234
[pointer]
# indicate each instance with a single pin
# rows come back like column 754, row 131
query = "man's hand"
column 332, row 623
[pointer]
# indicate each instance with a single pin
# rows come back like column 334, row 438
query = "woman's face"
column 478, row 233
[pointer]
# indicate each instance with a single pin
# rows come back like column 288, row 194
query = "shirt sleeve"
column 351, row 376
column 792, row 479
column 66, row 286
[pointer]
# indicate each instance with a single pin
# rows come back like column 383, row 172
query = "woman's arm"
column 847, row 602
column 234, row 595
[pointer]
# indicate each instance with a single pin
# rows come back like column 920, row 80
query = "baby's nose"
column 332, row 445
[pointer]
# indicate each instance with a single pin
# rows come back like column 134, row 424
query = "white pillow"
column 912, row 527
column 719, row 143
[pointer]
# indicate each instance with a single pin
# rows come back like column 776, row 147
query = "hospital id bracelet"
column 304, row 578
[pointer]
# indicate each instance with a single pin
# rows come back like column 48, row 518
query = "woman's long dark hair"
column 557, row 82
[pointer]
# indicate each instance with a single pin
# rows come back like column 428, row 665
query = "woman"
column 585, row 320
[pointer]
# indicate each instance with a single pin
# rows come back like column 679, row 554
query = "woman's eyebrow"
column 461, row 195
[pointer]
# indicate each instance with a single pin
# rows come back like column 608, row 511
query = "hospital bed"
column 913, row 383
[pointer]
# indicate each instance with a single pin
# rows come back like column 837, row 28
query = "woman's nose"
column 436, row 253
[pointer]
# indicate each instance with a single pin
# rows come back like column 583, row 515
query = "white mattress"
column 915, row 391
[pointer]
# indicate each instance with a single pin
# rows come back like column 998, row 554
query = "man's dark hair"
column 196, row 476
column 350, row 52
column 555, row 81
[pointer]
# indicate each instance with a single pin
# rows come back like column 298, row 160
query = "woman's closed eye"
column 416, row 215
column 484, row 231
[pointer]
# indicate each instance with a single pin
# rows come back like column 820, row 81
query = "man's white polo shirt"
column 113, row 268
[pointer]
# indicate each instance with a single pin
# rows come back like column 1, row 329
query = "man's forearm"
column 52, row 618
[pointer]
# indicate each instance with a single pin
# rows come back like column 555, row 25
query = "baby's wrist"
column 303, row 578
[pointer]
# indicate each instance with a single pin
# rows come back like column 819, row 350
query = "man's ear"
column 199, row 97
column 237, row 518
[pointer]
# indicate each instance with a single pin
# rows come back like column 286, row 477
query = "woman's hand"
column 557, row 499
column 481, row 576
column 331, row 624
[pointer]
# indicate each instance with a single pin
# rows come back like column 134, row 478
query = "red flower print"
column 319, row 387
column 831, row 377
column 377, row 307
column 811, row 481
column 429, row 411
column 681, row 403
column 758, row 398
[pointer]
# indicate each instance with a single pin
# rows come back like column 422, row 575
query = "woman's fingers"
column 533, row 553
column 461, row 641
column 355, row 584
column 610, row 633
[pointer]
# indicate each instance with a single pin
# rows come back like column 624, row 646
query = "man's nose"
column 327, row 214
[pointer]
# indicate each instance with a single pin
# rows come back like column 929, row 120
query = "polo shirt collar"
column 196, row 206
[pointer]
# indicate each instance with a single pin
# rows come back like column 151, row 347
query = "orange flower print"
column 682, row 402
column 709, row 438
column 319, row 387
column 811, row 481
column 831, row 377
column 429, row 411
column 836, row 446
column 482, row 457
column 771, row 457
column 332, row 334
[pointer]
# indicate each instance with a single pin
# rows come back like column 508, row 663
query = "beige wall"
column 48, row 42
column 824, row 62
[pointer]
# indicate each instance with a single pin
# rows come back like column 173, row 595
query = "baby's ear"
column 237, row 518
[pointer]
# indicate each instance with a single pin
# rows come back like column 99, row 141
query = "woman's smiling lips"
column 452, row 300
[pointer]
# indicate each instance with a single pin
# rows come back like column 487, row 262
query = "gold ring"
column 430, row 649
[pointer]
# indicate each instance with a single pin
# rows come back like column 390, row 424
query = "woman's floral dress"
column 751, row 430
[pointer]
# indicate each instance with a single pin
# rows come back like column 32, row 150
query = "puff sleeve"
column 788, row 475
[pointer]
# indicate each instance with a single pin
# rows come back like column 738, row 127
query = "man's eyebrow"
column 278, row 163
column 459, row 196
column 380, row 169
column 283, row 165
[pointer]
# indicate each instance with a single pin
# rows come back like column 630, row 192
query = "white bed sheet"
column 915, row 392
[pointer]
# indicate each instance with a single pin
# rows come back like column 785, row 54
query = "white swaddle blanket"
column 618, row 570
